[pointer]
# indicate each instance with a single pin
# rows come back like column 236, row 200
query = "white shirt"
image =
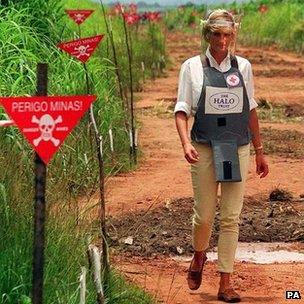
column 191, row 79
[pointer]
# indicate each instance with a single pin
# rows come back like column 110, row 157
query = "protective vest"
column 222, row 118
column 223, row 107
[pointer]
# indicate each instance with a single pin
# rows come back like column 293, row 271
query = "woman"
column 218, row 88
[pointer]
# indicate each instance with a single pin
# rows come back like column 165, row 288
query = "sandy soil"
column 257, row 284
column 163, row 175
column 166, row 230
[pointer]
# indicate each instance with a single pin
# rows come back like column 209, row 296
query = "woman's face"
column 220, row 41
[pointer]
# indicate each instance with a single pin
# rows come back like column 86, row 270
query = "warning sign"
column 79, row 16
column 82, row 49
column 46, row 121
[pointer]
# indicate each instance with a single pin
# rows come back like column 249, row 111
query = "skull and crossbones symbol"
column 46, row 125
column 79, row 17
column 82, row 51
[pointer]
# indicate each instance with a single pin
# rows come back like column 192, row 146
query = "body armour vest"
column 222, row 118
column 223, row 107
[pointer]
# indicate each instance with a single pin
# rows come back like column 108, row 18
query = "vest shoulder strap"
column 234, row 62
column 206, row 63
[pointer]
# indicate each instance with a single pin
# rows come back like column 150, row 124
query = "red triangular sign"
column 81, row 49
column 79, row 16
column 46, row 121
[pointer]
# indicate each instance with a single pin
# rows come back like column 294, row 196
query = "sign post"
column 39, row 216
column 45, row 122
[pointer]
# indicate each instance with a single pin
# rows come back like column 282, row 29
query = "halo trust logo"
column 224, row 101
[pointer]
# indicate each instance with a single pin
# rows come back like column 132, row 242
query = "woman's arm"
column 261, row 164
column 181, row 121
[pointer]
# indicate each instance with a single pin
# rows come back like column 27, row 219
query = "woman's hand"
column 190, row 153
column 261, row 165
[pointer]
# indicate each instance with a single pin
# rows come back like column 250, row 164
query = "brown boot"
column 229, row 295
column 194, row 277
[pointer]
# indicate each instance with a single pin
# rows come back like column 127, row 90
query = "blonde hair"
column 220, row 20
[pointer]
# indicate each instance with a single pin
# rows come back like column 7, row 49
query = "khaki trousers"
column 205, row 190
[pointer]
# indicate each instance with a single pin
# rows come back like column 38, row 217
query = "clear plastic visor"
column 222, row 26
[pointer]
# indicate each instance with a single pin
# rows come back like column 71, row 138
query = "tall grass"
column 185, row 18
column 72, row 221
column 141, row 41
column 282, row 24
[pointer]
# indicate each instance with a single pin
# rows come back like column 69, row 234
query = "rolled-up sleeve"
column 250, row 86
column 184, row 95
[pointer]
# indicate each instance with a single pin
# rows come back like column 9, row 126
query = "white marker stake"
column 136, row 137
column 143, row 70
column 111, row 140
column 97, row 270
column 83, row 287
column 131, row 138
column 86, row 161
column 95, row 258
column 101, row 148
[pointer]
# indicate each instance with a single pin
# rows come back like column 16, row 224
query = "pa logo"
column 293, row 295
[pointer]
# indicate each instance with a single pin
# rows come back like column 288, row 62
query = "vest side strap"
column 205, row 61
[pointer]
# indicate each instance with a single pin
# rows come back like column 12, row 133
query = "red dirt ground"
column 163, row 175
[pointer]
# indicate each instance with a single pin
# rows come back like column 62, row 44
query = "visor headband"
column 222, row 23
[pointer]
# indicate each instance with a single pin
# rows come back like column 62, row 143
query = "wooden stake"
column 39, row 216
column 128, row 40
column 111, row 36
column 98, row 140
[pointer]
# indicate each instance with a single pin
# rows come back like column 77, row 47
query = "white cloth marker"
column 136, row 137
column 6, row 123
column 131, row 138
column 111, row 140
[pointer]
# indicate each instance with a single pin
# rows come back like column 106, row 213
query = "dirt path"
column 257, row 284
column 163, row 175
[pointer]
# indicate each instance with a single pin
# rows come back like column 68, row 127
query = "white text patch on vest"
column 223, row 100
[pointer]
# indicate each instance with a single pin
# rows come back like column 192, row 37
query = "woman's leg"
column 205, row 200
column 231, row 204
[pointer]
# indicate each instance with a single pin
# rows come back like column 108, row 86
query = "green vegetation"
column 282, row 23
column 281, row 113
column 27, row 38
column 186, row 18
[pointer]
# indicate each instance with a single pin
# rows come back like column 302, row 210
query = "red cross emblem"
column 233, row 80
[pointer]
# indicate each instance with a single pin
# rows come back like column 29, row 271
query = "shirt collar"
column 225, row 64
